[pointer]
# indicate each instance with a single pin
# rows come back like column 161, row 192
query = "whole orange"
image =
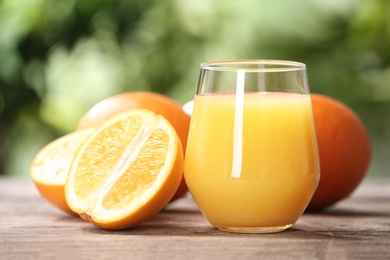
column 158, row 103
column 344, row 149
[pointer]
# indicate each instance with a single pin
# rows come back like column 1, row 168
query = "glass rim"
column 273, row 65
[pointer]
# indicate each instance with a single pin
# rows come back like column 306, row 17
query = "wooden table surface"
column 356, row 228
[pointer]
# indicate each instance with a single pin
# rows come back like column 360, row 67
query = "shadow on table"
column 293, row 234
column 190, row 222
column 367, row 211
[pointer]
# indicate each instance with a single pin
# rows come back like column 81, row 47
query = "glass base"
column 255, row 230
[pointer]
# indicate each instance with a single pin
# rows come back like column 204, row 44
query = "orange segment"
column 50, row 167
column 126, row 171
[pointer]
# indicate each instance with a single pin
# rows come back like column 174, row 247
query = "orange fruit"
column 344, row 149
column 126, row 170
column 155, row 102
column 50, row 166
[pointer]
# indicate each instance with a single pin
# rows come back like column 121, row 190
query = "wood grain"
column 356, row 228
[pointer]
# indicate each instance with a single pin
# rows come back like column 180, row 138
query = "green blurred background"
column 58, row 58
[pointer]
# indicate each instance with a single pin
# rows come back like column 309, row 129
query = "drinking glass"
column 251, row 161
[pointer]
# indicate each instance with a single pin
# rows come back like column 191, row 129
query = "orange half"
column 126, row 170
column 50, row 166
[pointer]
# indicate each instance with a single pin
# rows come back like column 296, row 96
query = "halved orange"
column 126, row 170
column 50, row 166
column 158, row 103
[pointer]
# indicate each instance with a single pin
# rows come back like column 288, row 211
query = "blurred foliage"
column 58, row 58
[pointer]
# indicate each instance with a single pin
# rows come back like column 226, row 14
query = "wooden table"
column 356, row 228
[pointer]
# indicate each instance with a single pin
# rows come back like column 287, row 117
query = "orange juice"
column 255, row 168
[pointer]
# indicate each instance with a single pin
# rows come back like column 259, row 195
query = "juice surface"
column 274, row 151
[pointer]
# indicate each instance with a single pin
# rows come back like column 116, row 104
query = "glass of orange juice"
column 251, row 161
